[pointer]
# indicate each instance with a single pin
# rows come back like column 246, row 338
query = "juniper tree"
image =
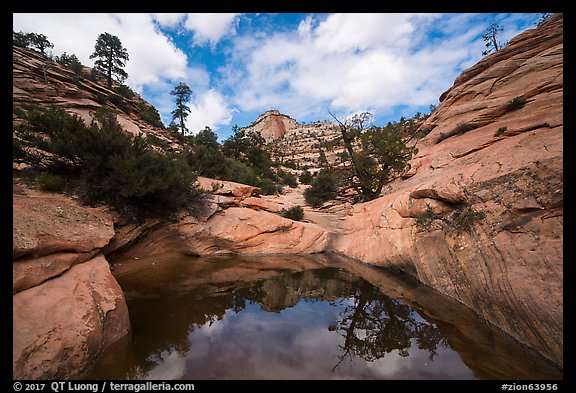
column 377, row 155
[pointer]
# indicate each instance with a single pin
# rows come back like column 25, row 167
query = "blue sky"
column 240, row 65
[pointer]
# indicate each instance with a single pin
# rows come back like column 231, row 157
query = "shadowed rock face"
column 508, row 265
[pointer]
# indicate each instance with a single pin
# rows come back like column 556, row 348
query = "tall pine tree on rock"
column 182, row 93
column 112, row 57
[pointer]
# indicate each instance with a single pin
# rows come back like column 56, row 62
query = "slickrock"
column 62, row 325
column 67, row 306
column 508, row 265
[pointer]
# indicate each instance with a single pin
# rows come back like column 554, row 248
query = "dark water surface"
column 299, row 317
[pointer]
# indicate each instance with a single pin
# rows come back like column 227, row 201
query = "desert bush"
column 515, row 103
column 287, row 178
column 467, row 218
column 114, row 167
column 460, row 129
column 150, row 115
column 268, row 186
column 500, row 131
column 295, row 213
column 462, row 220
column 426, row 219
column 306, row 177
column 50, row 182
column 323, row 188
column 124, row 91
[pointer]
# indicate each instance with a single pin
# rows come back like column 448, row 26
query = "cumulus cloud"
column 210, row 109
column 169, row 20
column 343, row 62
column 153, row 56
column 349, row 62
column 210, row 28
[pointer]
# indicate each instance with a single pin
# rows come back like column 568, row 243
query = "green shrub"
column 500, row 131
column 515, row 103
column 150, row 115
column 124, row 91
column 153, row 140
column 467, row 218
column 295, row 213
column 324, row 188
column 306, row 177
column 116, row 168
column 19, row 112
column 460, row 129
column 459, row 219
column 119, row 102
column 287, row 178
column 50, row 182
column 268, row 186
column 425, row 220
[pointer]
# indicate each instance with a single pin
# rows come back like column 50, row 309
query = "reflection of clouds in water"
column 267, row 345
column 171, row 366
column 294, row 344
column 417, row 365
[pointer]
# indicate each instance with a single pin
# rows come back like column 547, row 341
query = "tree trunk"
column 110, row 68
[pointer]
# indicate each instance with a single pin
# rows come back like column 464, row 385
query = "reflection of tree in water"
column 375, row 325
column 372, row 326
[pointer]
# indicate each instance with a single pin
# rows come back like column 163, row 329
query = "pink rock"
column 62, row 325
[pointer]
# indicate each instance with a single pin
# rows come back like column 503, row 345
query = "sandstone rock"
column 29, row 272
column 47, row 223
column 508, row 266
column 127, row 235
column 245, row 231
column 60, row 326
column 222, row 187
column 272, row 125
column 262, row 204
column 38, row 81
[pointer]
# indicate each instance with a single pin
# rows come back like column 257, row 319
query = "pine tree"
column 490, row 38
column 112, row 57
column 182, row 93
column 34, row 40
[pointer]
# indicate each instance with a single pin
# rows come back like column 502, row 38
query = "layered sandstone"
column 272, row 125
column 508, row 266
column 67, row 306
column 234, row 220
column 38, row 81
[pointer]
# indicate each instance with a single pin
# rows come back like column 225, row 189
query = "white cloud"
column 210, row 27
column 344, row 32
column 153, row 57
column 349, row 62
column 209, row 109
column 168, row 20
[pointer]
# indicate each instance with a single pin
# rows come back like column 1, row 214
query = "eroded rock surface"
column 62, row 325
column 67, row 306
column 505, row 176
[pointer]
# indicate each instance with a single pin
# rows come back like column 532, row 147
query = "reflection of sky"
column 293, row 344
